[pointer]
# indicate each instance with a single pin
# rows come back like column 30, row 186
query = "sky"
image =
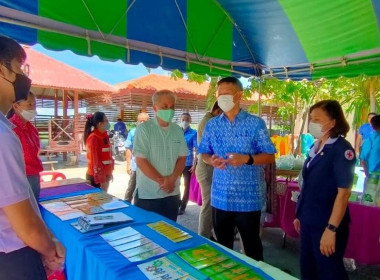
column 107, row 71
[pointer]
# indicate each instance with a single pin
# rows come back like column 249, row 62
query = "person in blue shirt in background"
column 131, row 160
column 191, row 161
column 322, row 216
column 121, row 128
column 370, row 154
column 364, row 132
column 238, row 146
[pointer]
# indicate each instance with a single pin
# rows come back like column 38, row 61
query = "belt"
column 107, row 162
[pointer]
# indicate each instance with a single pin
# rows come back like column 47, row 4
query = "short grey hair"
column 165, row 92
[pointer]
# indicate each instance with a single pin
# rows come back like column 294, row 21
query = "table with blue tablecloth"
column 90, row 257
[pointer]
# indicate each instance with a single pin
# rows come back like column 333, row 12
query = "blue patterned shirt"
column 240, row 188
column 191, row 142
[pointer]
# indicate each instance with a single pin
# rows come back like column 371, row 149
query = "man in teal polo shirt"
column 160, row 150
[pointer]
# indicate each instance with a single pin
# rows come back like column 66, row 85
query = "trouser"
column 313, row 264
column 248, row 224
column 204, row 172
column 22, row 264
column 131, row 187
column 167, row 206
column 186, row 178
column 34, row 182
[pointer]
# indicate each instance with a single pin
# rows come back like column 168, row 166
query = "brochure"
column 132, row 244
column 76, row 206
column 169, row 231
column 170, row 267
column 92, row 222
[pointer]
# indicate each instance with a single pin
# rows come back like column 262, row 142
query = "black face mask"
column 21, row 86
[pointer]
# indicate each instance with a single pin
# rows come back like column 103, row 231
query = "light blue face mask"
column 108, row 126
column 166, row 115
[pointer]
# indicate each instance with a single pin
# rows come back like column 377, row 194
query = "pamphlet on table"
column 169, row 231
column 132, row 244
column 217, row 265
column 76, row 206
column 93, row 222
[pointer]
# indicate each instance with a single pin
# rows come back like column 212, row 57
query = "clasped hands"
column 167, row 183
column 56, row 260
column 232, row 159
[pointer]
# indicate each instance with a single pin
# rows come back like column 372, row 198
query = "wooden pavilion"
column 58, row 86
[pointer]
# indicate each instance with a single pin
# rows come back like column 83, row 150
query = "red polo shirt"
column 30, row 142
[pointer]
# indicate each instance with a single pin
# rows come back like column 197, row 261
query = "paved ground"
column 274, row 254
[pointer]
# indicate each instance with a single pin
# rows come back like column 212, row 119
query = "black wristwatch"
column 331, row 227
column 250, row 161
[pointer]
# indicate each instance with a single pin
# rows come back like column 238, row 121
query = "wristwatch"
column 250, row 161
column 331, row 227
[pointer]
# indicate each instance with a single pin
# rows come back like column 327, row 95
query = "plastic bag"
column 285, row 162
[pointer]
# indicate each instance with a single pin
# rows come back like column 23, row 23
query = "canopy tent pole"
column 259, row 101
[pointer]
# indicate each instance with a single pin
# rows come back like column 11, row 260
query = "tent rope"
column 187, row 31
column 122, row 16
column 239, row 31
column 214, row 36
column 93, row 19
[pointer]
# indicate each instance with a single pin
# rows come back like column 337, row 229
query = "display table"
column 288, row 173
column 90, row 257
column 61, row 187
column 364, row 238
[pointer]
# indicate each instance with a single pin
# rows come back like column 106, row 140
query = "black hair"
column 215, row 106
column 375, row 122
column 11, row 112
column 9, row 50
column 232, row 80
column 92, row 121
column 119, row 120
column 186, row 114
column 334, row 111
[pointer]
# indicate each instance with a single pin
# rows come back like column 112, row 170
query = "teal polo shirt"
column 161, row 147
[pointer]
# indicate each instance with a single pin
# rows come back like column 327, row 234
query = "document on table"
column 169, row 268
column 76, row 206
column 132, row 244
column 217, row 265
column 169, row 231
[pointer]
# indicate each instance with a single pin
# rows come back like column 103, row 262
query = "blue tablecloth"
column 89, row 256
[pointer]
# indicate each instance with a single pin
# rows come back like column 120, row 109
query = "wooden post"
column 143, row 105
column 65, row 102
column 76, row 123
column 55, row 103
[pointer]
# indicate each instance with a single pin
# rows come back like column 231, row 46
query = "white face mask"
column 315, row 129
column 28, row 114
column 184, row 124
column 226, row 102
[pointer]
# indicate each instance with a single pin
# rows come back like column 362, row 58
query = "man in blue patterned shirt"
column 238, row 146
